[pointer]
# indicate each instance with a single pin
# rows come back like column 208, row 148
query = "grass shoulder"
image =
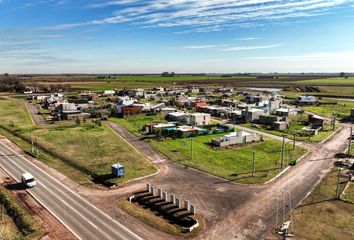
column 330, row 218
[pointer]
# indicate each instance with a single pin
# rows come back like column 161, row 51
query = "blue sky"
column 151, row 36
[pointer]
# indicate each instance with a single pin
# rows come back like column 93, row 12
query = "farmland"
column 234, row 164
column 329, row 81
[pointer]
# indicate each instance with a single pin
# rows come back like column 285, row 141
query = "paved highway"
column 77, row 214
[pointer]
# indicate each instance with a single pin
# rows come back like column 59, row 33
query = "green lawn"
column 76, row 151
column 342, row 108
column 329, row 81
column 322, row 217
column 349, row 193
column 295, row 126
column 94, row 150
column 135, row 124
column 14, row 113
column 234, row 164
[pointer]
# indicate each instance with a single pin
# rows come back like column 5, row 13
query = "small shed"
column 118, row 170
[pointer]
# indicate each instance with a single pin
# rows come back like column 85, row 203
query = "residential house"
column 234, row 138
column 316, row 121
column 198, row 119
column 306, row 100
column 286, row 112
column 252, row 115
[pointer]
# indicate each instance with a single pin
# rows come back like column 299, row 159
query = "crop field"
column 162, row 79
column 329, row 81
column 83, row 153
column 320, row 216
column 234, row 164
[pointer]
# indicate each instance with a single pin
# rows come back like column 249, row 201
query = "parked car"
column 28, row 180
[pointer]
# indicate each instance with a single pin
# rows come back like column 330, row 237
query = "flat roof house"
column 198, row 119
column 240, row 137
column 306, row 100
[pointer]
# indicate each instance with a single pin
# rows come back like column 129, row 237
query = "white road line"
column 49, row 190
column 65, row 188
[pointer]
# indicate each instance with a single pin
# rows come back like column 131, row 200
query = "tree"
column 342, row 74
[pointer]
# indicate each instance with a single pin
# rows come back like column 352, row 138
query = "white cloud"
column 252, row 47
column 205, row 46
column 207, row 15
column 331, row 56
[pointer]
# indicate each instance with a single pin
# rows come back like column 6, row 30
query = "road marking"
column 75, row 194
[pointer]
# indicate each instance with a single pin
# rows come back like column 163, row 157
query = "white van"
column 28, row 180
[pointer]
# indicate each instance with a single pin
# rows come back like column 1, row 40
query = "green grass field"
column 349, row 193
column 234, row 164
column 322, row 217
column 14, row 113
column 135, row 124
column 94, row 150
column 162, row 79
column 76, row 151
column 329, row 81
column 342, row 108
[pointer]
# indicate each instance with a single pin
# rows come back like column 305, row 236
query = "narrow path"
column 138, row 144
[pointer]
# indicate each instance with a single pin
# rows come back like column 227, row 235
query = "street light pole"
column 282, row 153
column 350, row 140
column 253, row 159
column 192, row 148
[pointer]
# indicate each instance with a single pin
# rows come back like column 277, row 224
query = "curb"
column 286, row 169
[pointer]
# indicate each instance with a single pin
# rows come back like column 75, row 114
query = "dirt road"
column 242, row 211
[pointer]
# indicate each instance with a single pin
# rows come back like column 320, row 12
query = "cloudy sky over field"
column 147, row 36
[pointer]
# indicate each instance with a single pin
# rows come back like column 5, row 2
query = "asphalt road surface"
column 77, row 214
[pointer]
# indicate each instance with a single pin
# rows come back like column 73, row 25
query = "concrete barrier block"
column 173, row 199
column 186, row 205
column 164, row 196
column 178, row 202
column 193, row 209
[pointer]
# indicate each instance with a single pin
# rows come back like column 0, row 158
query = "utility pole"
column 334, row 115
column 337, row 190
column 294, row 141
column 32, row 143
column 350, row 140
column 192, row 148
column 253, row 159
column 282, row 153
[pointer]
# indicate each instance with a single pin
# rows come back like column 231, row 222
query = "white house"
column 198, row 119
column 306, row 100
column 240, row 137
